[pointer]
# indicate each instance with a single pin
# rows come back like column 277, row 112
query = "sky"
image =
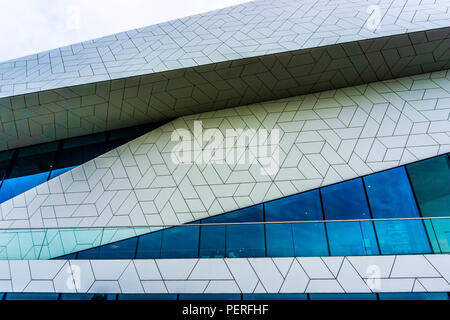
column 32, row 26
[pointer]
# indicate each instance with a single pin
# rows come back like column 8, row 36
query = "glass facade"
column 329, row 227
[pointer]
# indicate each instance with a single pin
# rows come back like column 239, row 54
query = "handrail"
column 225, row 223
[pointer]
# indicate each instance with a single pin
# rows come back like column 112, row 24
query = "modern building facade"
column 270, row 150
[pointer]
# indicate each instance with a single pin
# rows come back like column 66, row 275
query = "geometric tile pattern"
column 258, row 51
column 352, row 274
column 324, row 138
column 248, row 30
column 86, row 109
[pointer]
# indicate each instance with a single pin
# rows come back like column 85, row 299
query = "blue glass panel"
column 347, row 200
column 210, row 297
column 402, row 237
column 352, row 238
column 147, row 296
column 93, row 253
column 245, row 240
column 15, row 186
column 275, row 296
column 240, row 240
column 88, row 296
column 343, row 296
column 299, row 239
column 414, row 296
column 431, row 182
column 390, row 194
column 299, row 207
column 212, row 241
column 124, row 249
column 58, row 172
column 180, row 242
column 149, row 246
column 31, row 296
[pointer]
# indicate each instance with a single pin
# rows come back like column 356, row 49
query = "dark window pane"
column 210, row 296
column 151, row 296
column 343, row 296
column 89, row 253
column 15, row 186
column 431, row 182
column 180, row 242
column 299, row 239
column 88, row 296
column 79, row 150
column 124, row 249
column 35, row 159
column 275, row 296
column 414, row 296
column 5, row 158
column 31, row 296
column 390, row 194
column 149, row 246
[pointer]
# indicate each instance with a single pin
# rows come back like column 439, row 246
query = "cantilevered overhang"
column 253, row 52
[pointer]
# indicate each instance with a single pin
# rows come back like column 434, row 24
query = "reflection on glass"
column 300, row 239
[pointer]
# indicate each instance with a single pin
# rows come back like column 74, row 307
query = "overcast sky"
column 31, row 26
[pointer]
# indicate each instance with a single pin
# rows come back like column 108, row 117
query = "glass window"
column 296, row 239
column 246, row 240
column 5, row 158
column 390, row 196
column 124, row 249
column 88, row 296
column 92, row 253
column 210, row 296
column 35, row 159
column 431, row 183
column 234, row 240
column 414, row 296
column 149, row 246
column 275, row 296
column 150, row 296
column 347, row 200
column 15, row 186
column 76, row 151
column 180, row 242
column 31, row 296
column 343, row 296
column 212, row 241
